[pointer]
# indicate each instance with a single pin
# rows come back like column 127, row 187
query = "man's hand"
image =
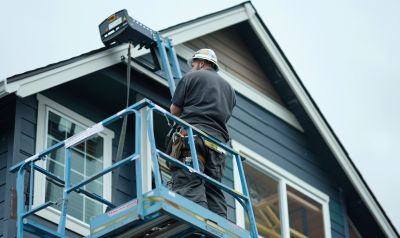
column 175, row 110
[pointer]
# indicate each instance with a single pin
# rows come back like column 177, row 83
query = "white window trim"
column 284, row 178
column 49, row 213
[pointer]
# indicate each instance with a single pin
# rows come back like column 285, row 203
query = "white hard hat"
column 207, row 54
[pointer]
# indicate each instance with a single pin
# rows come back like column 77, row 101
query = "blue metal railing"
column 29, row 165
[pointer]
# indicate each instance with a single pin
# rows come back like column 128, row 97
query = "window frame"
column 284, row 179
column 44, row 106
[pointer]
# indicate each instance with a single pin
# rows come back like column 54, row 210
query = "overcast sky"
column 345, row 52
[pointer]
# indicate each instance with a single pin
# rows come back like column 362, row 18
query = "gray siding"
column 7, row 111
column 288, row 148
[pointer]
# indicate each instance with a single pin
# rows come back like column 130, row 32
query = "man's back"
column 207, row 101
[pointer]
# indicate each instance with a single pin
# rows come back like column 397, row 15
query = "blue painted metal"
column 50, row 175
column 20, row 201
column 138, row 164
column 165, row 62
column 159, row 198
column 31, row 182
column 38, row 208
column 150, row 132
column 67, row 180
column 95, row 197
column 249, row 207
column 173, row 58
column 193, row 151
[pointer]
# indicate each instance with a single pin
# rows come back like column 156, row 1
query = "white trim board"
column 318, row 121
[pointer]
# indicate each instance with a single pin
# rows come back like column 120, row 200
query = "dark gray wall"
column 7, row 112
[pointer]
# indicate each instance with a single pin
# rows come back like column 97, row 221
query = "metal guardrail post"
column 250, row 213
column 138, row 163
column 20, row 201
column 146, row 164
column 154, row 154
column 193, row 149
column 67, row 180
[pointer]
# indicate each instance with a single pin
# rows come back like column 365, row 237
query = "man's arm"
column 175, row 110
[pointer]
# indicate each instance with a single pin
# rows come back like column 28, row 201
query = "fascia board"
column 206, row 26
column 318, row 121
column 51, row 78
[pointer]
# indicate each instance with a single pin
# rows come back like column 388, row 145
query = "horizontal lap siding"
column 286, row 147
column 7, row 111
column 235, row 58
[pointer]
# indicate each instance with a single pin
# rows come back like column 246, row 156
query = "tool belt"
column 178, row 147
column 180, row 150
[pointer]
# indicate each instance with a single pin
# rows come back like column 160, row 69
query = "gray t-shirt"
column 207, row 101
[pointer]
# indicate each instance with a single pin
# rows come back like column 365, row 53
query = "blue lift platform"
column 156, row 211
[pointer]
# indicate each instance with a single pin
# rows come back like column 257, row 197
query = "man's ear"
column 202, row 63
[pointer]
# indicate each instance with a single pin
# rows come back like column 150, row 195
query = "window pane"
column 264, row 197
column 93, row 208
column 93, row 166
column 95, row 187
column 56, row 127
column 77, row 161
column 86, row 160
column 305, row 215
column 94, row 147
column 75, row 206
column 56, row 155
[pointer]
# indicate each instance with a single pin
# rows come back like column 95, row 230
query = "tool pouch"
column 176, row 147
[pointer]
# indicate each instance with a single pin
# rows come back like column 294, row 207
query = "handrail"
column 29, row 164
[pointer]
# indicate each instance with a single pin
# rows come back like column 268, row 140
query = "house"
column 302, row 181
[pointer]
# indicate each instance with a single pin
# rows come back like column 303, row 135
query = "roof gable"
column 38, row 80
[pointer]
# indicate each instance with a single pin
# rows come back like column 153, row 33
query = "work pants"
column 194, row 188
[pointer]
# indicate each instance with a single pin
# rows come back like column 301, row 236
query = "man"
column 204, row 100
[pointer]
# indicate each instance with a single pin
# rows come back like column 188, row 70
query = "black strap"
column 121, row 142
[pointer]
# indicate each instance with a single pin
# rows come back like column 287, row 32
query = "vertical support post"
column 138, row 163
column 193, row 151
column 250, row 213
column 67, row 179
column 173, row 58
column 150, row 131
column 20, row 201
column 31, row 184
column 283, row 210
column 165, row 63
column 146, row 163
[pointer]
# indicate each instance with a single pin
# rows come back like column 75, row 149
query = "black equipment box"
column 121, row 28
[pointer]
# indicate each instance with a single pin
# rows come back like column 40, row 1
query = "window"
column 56, row 123
column 283, row 205
column 264, row 197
